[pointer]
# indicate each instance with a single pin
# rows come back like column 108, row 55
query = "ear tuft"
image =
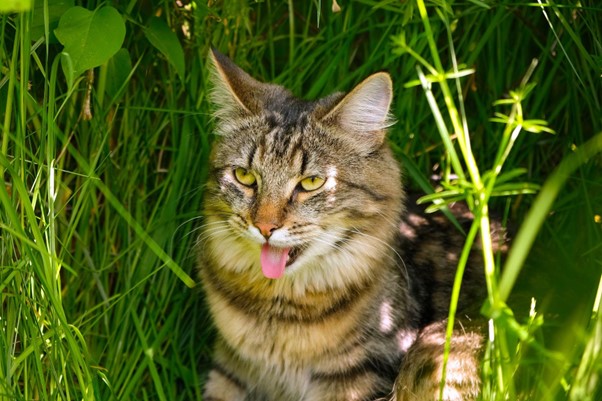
column 234, row 91
column 365, row 110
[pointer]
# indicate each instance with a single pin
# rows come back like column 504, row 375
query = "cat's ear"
column 234, row 91
column 364, row 112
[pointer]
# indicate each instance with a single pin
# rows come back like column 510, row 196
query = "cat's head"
column 295, row 184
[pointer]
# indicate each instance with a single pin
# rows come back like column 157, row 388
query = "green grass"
column 98, row 216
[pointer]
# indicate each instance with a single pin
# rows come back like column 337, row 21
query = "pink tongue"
column 273, row 260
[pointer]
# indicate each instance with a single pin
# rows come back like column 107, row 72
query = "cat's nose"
column 266, row 229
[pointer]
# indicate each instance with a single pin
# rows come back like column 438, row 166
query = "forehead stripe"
column 303, row 160
column 251, row 155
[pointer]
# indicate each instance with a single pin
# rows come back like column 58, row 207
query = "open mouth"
column 275, row 260
column 293, row 254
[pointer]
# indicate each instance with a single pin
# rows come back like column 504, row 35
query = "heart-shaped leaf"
column 158, row 33
column 90, row 37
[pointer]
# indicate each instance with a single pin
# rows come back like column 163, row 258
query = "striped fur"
column 359, row 312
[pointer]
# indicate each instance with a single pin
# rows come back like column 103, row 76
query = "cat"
column 323, row 281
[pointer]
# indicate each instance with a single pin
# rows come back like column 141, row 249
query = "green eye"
column 312, row 183
column 245, row 177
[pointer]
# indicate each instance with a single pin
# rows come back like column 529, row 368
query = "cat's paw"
column 421, row 373
column 219, row 387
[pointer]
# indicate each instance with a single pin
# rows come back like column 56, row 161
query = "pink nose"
column 266, row 229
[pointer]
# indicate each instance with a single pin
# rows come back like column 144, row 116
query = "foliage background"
column 100, row 208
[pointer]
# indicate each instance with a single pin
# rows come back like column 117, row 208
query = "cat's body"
column 309, row 195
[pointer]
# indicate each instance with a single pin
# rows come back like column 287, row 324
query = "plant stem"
column 9, row 105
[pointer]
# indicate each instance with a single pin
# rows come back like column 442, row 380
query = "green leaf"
column 509, row 175
column 56, row 9
column 67, row 64
column 90, row 38
column 504, row 101
column 440, row 196
column 480, row 4
column 537, row 126
column 165, row 40
column 515, row 188
column 10, row 6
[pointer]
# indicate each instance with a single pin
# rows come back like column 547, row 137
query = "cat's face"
column 295, row 183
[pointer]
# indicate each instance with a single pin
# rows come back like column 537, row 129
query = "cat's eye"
column 245, row 177
column 311, row 183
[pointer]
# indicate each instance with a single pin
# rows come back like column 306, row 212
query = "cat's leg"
column 360, row 387
column 421, row 371
column 221, row 387
column 225, row 381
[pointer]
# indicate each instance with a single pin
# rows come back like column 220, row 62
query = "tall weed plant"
column 104, row 143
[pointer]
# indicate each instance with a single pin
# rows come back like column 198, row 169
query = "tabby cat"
column 321, row 283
